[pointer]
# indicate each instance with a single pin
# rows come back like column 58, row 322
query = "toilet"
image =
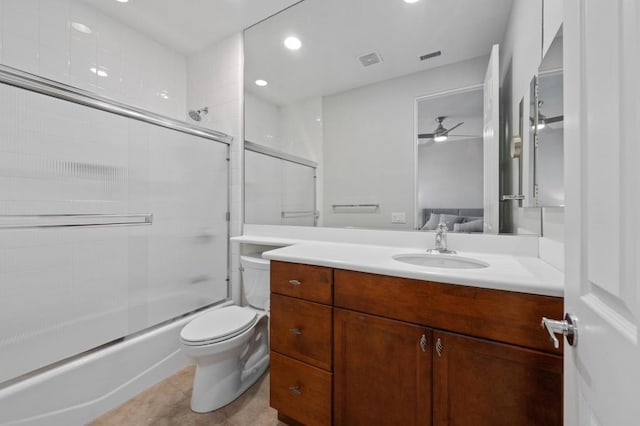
column 230, row 345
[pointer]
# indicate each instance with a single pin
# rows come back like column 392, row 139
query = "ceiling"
column 189, row 26
column 334, row 33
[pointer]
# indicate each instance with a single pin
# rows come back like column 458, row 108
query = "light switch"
column 398, row 217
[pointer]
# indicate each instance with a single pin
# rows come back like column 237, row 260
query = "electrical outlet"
column 398, row 217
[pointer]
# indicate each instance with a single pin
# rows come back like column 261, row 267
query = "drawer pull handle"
column 295, row 331
column 295, row 389
column 294, row 282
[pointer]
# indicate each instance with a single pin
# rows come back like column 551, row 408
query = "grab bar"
column 73, row 220
column 291, row 214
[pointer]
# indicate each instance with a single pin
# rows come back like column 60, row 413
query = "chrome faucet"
column 441, row 240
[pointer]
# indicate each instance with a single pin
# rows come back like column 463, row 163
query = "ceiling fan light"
column 440, row 138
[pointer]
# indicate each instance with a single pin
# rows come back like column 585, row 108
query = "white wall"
column 215, row 78
column 262, row 121
column 369, row 154
column 450, row 175
column 36, row 36
column 521, row 54
column 294, row 129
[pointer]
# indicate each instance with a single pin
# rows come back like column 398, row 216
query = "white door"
column 491, row 143
column 602, row 175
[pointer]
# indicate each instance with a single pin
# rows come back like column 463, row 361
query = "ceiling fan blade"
column 426, row 135
column 549, row 120
column 454, row 127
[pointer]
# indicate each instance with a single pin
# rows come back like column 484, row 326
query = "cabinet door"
column 382, row 371
column 478, row 382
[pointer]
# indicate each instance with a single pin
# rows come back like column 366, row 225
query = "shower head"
column 197, row 115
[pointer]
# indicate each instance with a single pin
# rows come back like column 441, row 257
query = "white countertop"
column 505, row 272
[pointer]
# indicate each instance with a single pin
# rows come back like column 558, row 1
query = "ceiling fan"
column 440, row 134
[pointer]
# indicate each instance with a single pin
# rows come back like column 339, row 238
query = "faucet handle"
column 442, row 226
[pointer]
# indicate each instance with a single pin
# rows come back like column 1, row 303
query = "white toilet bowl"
column 230, row 345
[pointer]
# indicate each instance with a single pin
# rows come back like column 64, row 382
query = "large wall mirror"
column 351, row 84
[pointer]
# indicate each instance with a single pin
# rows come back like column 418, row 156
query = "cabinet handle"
column 295, row 389
column 439, row 347
column 423, row 343
column 297, row 331
column 294, row 282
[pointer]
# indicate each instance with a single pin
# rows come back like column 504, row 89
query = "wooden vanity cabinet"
column 414, row 352
column 301, row 340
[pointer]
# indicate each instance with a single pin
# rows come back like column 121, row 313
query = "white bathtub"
column 78, row 391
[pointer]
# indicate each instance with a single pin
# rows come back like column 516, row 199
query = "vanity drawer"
column 300, row 391
column 308, row 282
column 302, row 330
column 503, row 316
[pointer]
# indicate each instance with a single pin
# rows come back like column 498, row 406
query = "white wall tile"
column 138, row 68
column 20, row 36
column 1, row 29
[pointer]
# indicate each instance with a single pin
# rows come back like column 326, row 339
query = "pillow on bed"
column 450, row 220
column 432, row 223
column 472, row 218
column 472, row 226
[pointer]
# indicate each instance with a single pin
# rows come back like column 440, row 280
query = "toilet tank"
column 255, row 280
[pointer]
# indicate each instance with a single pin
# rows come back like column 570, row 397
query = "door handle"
column 567, row 327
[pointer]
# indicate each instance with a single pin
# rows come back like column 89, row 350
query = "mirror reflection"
column 450, row 160
column 549, row 130
column 350, row 85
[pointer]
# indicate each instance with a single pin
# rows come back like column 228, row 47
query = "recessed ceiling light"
column 81, row 27
column 99, row 72
column 292, row 43
column 261, row 83
column 406, row 1
column 122, row 1
column 163, row 94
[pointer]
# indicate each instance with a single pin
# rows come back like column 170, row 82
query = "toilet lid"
column 221, row 324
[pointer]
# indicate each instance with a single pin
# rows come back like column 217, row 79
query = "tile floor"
column 167, row 403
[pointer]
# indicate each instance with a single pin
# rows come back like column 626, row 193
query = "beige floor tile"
column 183, row 379
column 168, row 404
column 146, row 408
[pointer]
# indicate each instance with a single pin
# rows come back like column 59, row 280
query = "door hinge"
column 227, row 216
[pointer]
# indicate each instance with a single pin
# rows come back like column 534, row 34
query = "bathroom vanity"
column 353, row 347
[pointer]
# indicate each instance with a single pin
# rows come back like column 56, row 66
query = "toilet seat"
column 218, row 325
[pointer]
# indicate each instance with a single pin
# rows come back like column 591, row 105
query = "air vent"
column 430, row 55
column 370, row 59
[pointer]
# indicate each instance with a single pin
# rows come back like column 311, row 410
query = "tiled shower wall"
column 107, row 57
column 118, row 62
column 65, row 290
column 215, row 78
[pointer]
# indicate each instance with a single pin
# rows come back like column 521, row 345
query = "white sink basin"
column 440, row 261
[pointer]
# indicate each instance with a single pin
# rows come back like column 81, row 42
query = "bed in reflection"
column 457, row 220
